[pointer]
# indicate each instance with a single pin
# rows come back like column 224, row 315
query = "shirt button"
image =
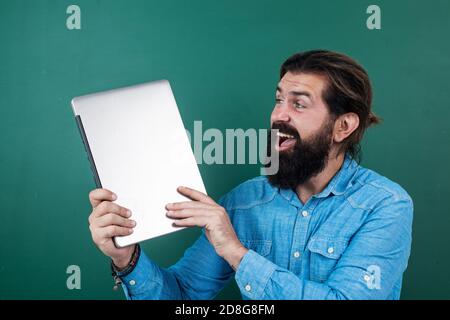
column 330, row 250
column 304, row 213
column 248, row 287
column 132, row 282
column 296, row 254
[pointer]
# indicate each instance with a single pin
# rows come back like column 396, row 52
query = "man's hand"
column 109, row 220
column 205, row 212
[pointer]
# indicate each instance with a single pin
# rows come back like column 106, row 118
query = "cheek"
column 306, row 129
column 303, row 127
column 309, row 125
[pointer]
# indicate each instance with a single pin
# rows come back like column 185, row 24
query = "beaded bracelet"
column 117, row 274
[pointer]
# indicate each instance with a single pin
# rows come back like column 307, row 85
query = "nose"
column 280, row 114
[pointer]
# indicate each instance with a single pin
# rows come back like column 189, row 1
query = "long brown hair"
column 348, row 89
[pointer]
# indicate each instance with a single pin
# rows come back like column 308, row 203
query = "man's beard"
column 304, row 160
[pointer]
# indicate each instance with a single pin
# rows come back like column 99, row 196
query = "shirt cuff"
column 142, row 278
column 253, row 273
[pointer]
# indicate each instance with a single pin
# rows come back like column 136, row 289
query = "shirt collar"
column 341, row 181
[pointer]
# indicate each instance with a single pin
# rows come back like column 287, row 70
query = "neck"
column 317, row 183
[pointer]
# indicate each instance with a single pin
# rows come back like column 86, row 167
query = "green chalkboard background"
column 222, row 58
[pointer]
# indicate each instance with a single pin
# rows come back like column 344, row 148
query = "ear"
column 345, row 125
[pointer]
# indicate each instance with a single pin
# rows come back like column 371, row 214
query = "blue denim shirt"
column 350, row 241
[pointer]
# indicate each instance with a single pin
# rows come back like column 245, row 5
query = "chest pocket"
column 261, row 247
column 325, row 253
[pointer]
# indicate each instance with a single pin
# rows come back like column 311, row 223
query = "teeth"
column 284, row 135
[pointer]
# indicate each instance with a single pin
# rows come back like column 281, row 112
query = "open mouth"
column 285, row 141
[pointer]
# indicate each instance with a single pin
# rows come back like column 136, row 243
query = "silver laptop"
column 139, row 149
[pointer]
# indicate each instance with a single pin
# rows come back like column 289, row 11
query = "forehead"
column 311, row 83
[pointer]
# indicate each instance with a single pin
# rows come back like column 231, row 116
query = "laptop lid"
column 139, row 149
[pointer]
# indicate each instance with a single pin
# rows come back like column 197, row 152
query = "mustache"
column 285, row 128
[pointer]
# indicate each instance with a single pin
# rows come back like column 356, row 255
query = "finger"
column 96, row 196
column 110, row 207
column 113, row 231
column 114, row 219
column 195, row 195
column 191, row 222
column 188, row 205
column 185, row 213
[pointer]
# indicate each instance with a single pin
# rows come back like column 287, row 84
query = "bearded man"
column 321, row 227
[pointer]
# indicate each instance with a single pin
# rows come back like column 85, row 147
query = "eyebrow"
column 296, row 93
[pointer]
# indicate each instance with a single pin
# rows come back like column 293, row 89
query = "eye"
column 278, row 101
column 299, row 105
